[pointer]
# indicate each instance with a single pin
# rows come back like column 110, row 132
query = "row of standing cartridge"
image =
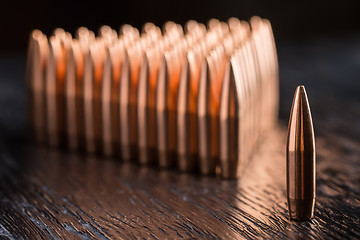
column 199, row 98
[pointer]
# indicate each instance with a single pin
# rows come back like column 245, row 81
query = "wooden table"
column 51, row 194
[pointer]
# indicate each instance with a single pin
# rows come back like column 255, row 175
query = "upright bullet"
column 300, row 154
column 37, row 61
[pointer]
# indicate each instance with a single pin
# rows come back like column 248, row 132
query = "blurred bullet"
column 300, row 154
column 94, row 64
column 109, row 98
column 167, row 90
column 158, row 97
column 38, row 55
column 229, row 144
column 210, row 83
column 146, row 106
column 186, row 113
column 74, row 75
column 55, row 87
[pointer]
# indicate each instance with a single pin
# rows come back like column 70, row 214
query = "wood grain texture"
column 51, row 194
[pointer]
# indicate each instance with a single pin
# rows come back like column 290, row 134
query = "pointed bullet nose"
column 300, row 95
column 300, row 154
column 300, row 90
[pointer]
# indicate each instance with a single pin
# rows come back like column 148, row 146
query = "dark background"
column 290, row 19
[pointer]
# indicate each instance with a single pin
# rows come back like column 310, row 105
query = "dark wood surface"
column 51, row 194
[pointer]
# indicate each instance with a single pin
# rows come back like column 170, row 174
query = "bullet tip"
column 301, row 89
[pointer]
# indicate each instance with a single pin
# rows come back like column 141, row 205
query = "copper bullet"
column 187, row 137
column 74, row 75
column 239, row 111
column 248, row 120
column 166, row 97
column 242, row 73
column 51, row 92
column 237, row 96
column 110, row 97
column 55, row 86
column 146, row 106
column 252, row 80
column 146, row 94
column 78, row 50
column 231, row 117
column 274, row 70
column 127, row 100
column 263, row 70
column 124, row 89
column 211, row 77
column 130, row 72
column 300, row 155
column 94, row 64
column 265, row 46
column 38, row 54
